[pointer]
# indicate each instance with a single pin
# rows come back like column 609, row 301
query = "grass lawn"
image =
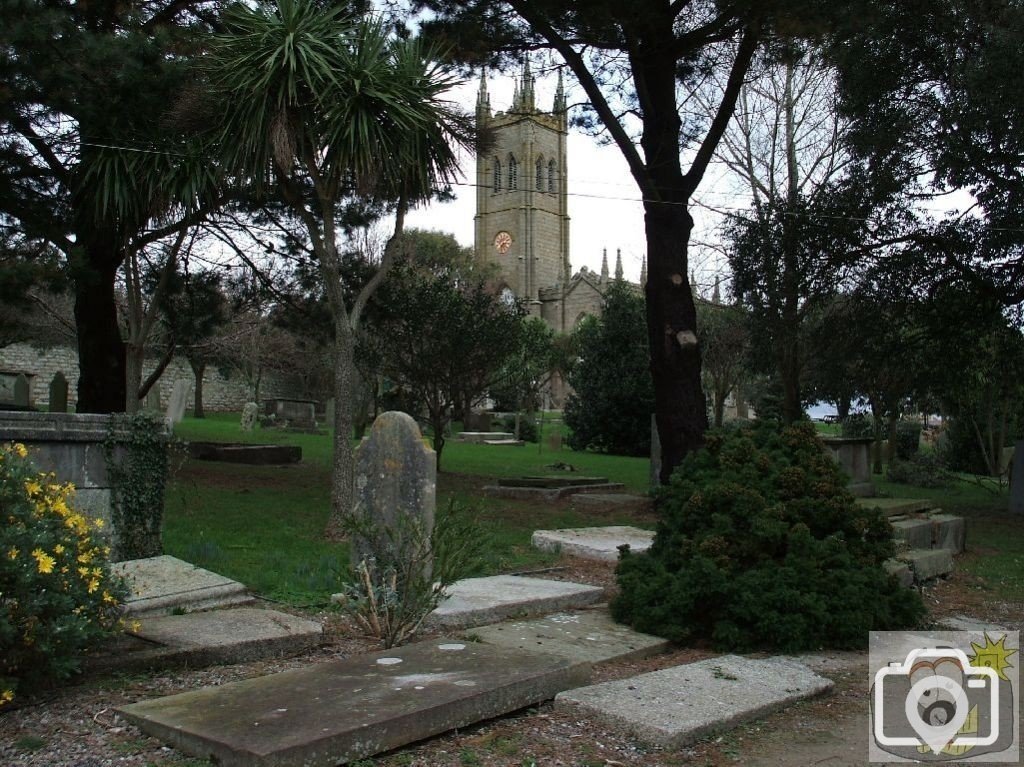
column 264, row 525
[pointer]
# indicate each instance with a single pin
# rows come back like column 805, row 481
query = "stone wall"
column 220, row 392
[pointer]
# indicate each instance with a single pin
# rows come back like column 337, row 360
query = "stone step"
column 165, row 584
column 479, row 601
column 675, row 706
column 597, row 543
column 589, row 636
column 198, row 639
column 928, row 564
column 336, row 712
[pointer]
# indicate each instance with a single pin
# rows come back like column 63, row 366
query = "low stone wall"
column 220, row 392
column 71, row 446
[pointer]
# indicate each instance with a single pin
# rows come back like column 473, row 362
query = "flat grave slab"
column 205, row 638
column 505, row 442
column 479, row 601
column 333, row 713
column 599, row 543
column 916, row 533
column 678, row 705
column 548, row 493
column 590, row 635
column 551, row 482
column 237, row 452
column 892, row 507
column 610, row 501
column 950, row 531
column 482, row 436
column 160, row 585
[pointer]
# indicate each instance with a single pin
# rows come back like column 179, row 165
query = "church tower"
column 522, row 221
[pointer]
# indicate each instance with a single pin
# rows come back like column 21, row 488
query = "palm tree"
column 323, row 108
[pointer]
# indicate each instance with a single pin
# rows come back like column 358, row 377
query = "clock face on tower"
column 502, row 242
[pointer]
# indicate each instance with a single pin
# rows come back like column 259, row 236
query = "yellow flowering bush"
column 57, row 594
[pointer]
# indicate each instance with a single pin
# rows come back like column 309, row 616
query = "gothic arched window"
column 552, row 171
column 513, row 172
column 539, row 174
column 497, row 175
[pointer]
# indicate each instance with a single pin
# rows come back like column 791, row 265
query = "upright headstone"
column 59, row 393
column 655, row 478
column 21, row 391
column 1017, row 479
column 179, row 401
column 152, row 401
column 396, row 478
column 555, row 441
column 249, row 413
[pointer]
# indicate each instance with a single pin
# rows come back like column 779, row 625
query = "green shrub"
column 761, row 545
column 527, row 427
column 57, row 595
column 922, row 470
column 857, row 425
column 908, row 440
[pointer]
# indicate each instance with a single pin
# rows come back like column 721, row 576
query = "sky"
column 604, row 202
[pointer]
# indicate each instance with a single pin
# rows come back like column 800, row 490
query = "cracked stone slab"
column 161, row 585
column 675, row 706
column 599, row 543
column 218, row 636
column 479, row 601
column 590, row 635
column 340, row 711
column 928, row 563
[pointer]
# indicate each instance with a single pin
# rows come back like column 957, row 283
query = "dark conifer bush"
column 760, row 545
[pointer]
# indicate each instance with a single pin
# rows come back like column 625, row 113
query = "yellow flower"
column 32, row 487
column 93, row 585
column 136, row 627
column 58, row 549
column 6, row 696
column 108, row 598
column 20, row 450
column 83, row 571
column 44, row 560
column 12, row 553
column 99, row 523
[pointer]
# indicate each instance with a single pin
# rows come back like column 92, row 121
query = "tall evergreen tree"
column 89, row 164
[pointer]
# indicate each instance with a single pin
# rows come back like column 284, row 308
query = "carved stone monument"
column 249, row 414
column 59, row 393
column 179, row 401
column 396, row 480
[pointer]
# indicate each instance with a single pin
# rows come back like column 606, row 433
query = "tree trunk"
column 101, row 351
column 135, row 358
column 720, row 398
column 843, row 408
column 343, row 469
column 679, row 406
column 198, row 370
column 876, row 426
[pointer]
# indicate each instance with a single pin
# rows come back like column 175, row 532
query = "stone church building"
column 522, row 219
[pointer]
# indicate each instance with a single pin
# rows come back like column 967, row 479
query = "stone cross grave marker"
column 179, row 400
column 59, row 393
column 396, row 478
column 249, row 413
column 1017, row 480
column 21, row 391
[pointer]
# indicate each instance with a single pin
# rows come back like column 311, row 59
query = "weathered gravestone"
column 329, row 413
column 59, row 393
column 554, row 441
column 1017, row 480
column 396, row 478
column 655, row 478
column 249, row 413
column 21, row 391
column 179, row 401
column 152, row 402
